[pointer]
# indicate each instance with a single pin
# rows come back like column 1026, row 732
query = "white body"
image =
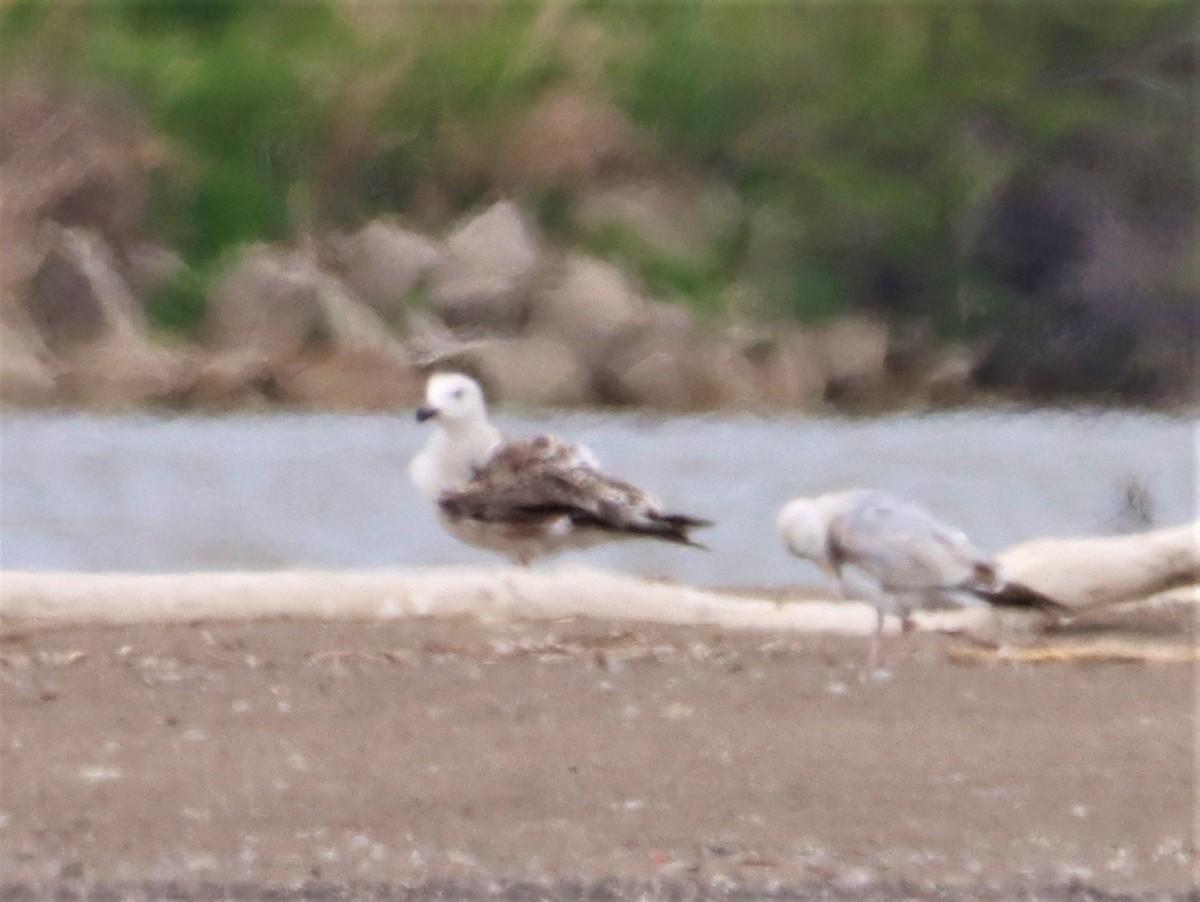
column 464, row 441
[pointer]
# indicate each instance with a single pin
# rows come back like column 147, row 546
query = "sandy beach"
column 430, row 758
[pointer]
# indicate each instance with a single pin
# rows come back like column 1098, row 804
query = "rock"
column 228, row 380
column 567, row 138
column 949, row 380
column 349, row 379
column 535, row 370
column 75, row 165
column 27, row 375
column 122, row 374
column 77, row 297
column 86, row 314
column 430, row 344
column 719, row 376
column 487, row 269
column 268, row 301
column 790, row 373
column 277, row 303
column 852, row 350
column 352, row 326
column 151, row 267
column 586, row 303
column 381, row 264
column 650, row 375
column 643, row 364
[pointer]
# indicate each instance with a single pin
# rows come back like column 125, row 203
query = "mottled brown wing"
column 544, row 479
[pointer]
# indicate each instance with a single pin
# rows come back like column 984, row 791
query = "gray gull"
column 898, row 557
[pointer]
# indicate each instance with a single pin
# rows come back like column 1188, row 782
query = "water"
column 81, row 492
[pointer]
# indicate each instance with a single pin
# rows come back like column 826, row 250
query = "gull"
column 530, row 498
column 898, row 557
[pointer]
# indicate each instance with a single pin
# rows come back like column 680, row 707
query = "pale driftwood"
column 1080, row 573
column 1085, row 574
column 30, row 600
column 1088, row 573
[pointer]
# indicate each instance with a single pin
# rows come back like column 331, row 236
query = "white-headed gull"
column 898, row 557
column 529, row 498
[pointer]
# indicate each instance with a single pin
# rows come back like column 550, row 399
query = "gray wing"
column 903, row 547
column 543, row 479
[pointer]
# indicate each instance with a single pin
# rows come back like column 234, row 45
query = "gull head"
column 452, row 399
column 804, row 525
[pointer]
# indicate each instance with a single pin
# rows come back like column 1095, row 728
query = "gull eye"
column 458, row 394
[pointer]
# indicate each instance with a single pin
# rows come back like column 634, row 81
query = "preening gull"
column 529, row 498
column 897, row 556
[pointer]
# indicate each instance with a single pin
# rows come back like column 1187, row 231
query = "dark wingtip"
column 686, row 522
column 676, row 528
column 1018, row 595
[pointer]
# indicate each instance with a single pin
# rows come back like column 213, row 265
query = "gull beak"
column 426, row 413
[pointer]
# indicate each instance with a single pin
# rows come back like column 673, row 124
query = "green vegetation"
column 178, row 307
column 857, row 123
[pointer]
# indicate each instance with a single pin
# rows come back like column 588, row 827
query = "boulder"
column 352, row 326
column 643, row 365
column 151, row 267
column 789, row 370
column 77, row 296
column 948, row 381
column 852, row 351
column 77, row 165
column 277, row 303
column 381, row 264
column 586, row 302
column 81, row 307
column 652, row 375
column 268, row 301
column 719, row 376
column 122, row 374
column 534, row 370
column 27, row 374
column 350, row 379
column 228, row 380
column 487, row 270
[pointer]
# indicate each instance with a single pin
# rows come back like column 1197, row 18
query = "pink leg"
column 876, row 643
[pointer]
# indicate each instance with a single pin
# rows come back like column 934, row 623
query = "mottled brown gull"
column 529, row 498
column 898, row 557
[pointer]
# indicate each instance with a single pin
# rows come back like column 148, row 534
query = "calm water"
column 137, row 493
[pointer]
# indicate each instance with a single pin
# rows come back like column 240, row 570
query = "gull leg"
column 876, row 646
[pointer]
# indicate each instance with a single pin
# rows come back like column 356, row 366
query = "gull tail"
column 1018, row 595
column 674, row 528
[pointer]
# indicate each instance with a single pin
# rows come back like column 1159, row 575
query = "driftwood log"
column 1081, row 573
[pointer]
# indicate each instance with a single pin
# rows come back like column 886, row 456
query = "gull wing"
column 903, row 547
column 543, row 479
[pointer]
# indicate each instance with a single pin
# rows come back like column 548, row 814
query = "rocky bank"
column 355, row 319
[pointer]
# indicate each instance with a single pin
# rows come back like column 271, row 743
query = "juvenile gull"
column 897, row 556
column 529, row 498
